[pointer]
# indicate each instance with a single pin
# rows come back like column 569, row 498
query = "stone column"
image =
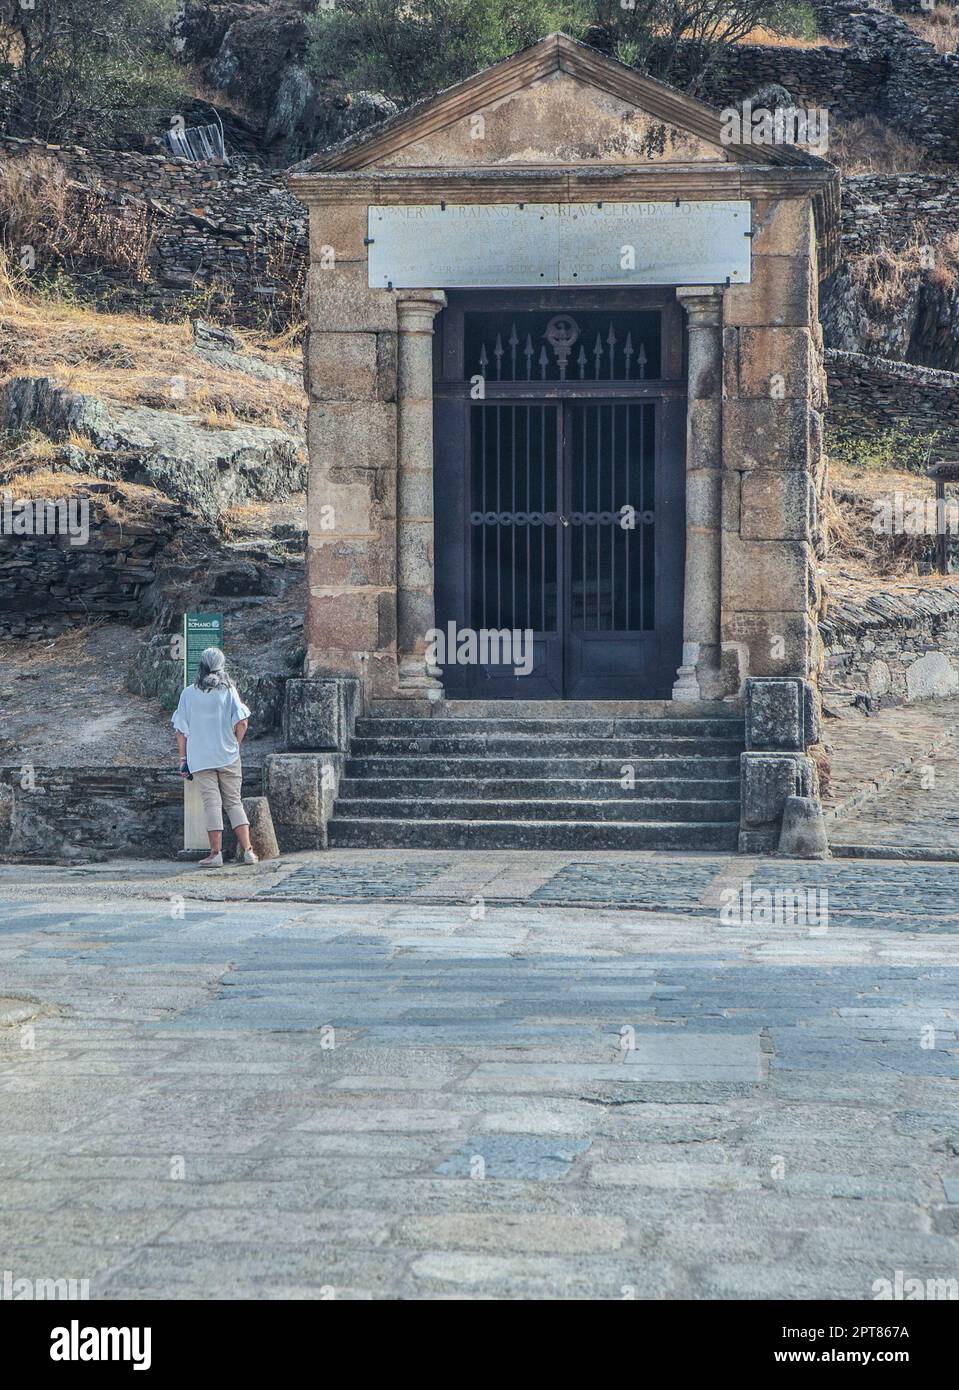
column 698, row 677
column 415, row 614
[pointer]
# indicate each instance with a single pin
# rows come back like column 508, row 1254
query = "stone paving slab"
column 895, row 779
column 565, row 1096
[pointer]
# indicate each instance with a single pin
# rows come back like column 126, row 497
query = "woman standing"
column 210, row 723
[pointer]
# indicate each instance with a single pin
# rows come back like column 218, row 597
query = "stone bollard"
column 262, row 834
column 803, row 834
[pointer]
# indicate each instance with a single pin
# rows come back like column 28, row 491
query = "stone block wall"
column 351, row 382
column 772, row 455
column 78, row 813
column 894, row 647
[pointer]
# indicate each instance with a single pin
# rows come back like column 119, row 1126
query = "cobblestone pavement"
column 432, row 1076
column 896, row 778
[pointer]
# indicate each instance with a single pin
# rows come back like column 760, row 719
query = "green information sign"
column 200, row 630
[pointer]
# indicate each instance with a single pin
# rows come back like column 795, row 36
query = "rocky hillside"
column 253, row 55
column 150, row 360
column 188, row 444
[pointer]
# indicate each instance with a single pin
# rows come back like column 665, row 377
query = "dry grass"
column 938, row 27
column 768, row 38
column 866, row 146
column 119, row 502
column 63, row 223
column 856, row 551
column 881, row 279
column 137, row 361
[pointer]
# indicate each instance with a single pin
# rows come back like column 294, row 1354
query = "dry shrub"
column 881, row 278
column 938, row 27
column 866, row 146
column 278, row 262
column 66, row 223
column 945, row 273
column 119, row 502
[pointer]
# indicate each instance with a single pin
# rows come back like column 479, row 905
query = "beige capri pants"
column 220, row 789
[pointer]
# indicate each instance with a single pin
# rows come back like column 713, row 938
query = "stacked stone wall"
column 867, row 394
column 231, row 230
column 894, row 647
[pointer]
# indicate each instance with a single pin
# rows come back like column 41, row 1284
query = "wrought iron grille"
column 563, row 516
column 584, row 347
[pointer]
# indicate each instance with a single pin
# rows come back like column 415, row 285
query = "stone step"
column 542, row 788
column 558, row 709
column 498, row 808
column 388, row 727
column 362, row 833
column 473, row 768
column 540, row 745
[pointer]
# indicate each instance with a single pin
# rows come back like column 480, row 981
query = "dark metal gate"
column 559, row 501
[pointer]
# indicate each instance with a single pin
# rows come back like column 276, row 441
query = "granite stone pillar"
column 699, row 677
column 415, row 614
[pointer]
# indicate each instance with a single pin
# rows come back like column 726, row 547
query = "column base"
column 686, row 685
column 415, row 681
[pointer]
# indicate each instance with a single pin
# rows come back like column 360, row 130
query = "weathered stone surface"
column 300, row 788
column 342, row 366
column 777, row 644
column 209, row 469
column 767, row 576
column 803, row 834
column 767, row 434
column 770, row 364
column 262, row 831
column 873, row 642
column 781, row 294
column 932, row 676
column 767, row 780
column 780, row 715
column 341, row 301
column 777, row 505
column 320, row 713
column 342, row 226
column 357, row 435
column 782, row 227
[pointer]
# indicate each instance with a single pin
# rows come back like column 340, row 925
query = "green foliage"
column 412, row 49
column 80, row 68
column 899, row 447
column 408, row 50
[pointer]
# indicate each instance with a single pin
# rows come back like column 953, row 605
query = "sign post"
column 200, row 630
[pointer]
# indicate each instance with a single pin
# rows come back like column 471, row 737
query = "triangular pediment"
column 558, row 102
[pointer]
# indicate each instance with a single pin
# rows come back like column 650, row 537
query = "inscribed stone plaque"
column 479, row 246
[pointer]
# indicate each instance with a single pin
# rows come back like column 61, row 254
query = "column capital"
column 703, row 304
column 416, row 309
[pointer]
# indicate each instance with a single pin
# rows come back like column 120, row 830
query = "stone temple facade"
column 565, row 377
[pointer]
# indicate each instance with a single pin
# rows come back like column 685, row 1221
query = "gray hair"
column 211, row 674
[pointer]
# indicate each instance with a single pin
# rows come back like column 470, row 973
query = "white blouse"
column 207, row 718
